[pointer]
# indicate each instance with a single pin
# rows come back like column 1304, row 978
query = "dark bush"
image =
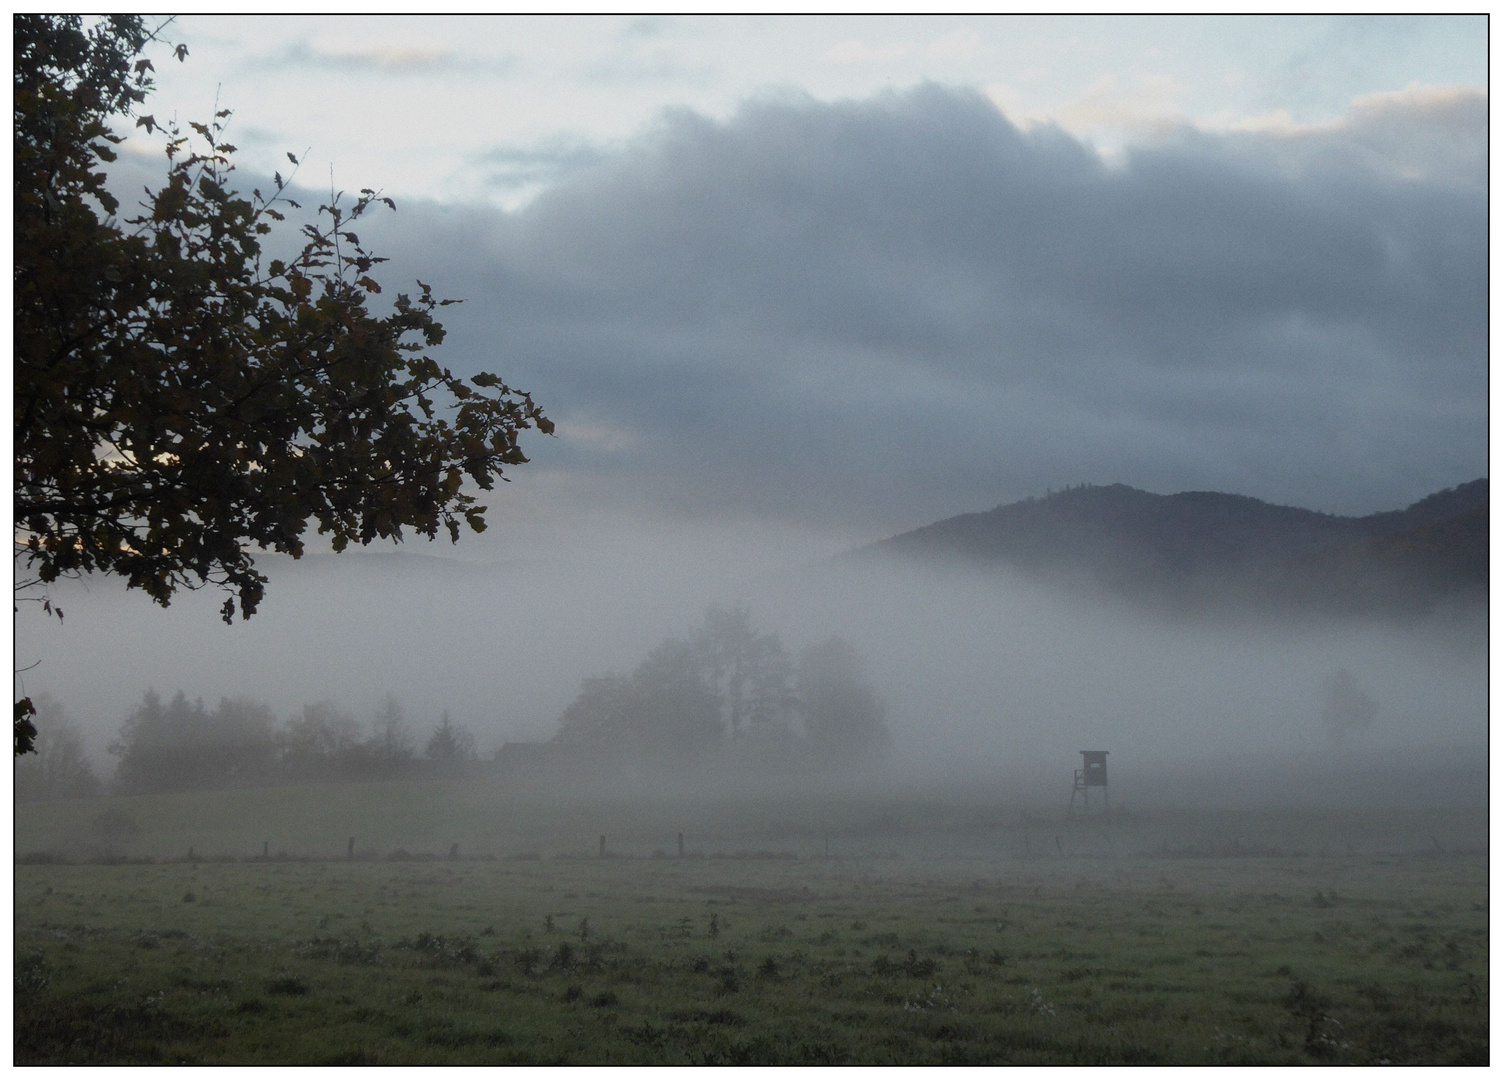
column 288, row 986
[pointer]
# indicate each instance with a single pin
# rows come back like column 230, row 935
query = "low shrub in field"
column 342, row 951
column 913, row 966
column 40, row 858
column 441, row 950
column 32, row 974
column 288, row 986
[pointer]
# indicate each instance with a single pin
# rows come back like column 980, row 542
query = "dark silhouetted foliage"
column 181, row 399
column 25, row 728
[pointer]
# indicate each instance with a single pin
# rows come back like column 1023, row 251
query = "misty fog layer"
column 776, row 338
column 982, row 674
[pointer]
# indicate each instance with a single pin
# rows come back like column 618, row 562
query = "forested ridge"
column 1227, row 551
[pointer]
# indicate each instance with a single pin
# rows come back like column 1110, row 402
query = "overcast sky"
column 793, row 285
column 858, row 274
column 495, row 109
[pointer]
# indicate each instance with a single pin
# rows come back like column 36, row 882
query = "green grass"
column 1142, row 942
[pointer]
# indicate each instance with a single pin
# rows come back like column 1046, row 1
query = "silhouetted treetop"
column 180, row 397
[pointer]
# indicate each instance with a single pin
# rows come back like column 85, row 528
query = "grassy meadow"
column 809, row 931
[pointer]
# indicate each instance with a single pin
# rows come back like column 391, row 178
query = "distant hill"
column 1211, row 549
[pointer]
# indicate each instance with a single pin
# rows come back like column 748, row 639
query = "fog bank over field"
column 499, row 631
column 786, row 332
column 987, row 668
column 985, row 675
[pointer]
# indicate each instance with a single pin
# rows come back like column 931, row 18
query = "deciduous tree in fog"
column 59, row 769
column 599, row 716
column 843, row 715
column 181, row 399
column 729, row 684
column 324, row 743
column 673, row 712
column 665, row 711
column 748, row 672
column 390, row 745
column 1344, row 706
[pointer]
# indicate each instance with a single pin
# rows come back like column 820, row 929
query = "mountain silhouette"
column 1210, row 549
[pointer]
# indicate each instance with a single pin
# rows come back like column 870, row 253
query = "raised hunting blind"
column 1091, row 774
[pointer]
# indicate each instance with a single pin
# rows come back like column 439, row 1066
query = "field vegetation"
column 835, row 930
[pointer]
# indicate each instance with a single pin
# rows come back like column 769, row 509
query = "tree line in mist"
column 726, row 688
column 182, row 745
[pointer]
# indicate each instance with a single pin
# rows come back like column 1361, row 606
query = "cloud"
column 407, row 60
column 1435, row 133
column 647, row 26
column 645, row 54
column 873, row 314
column 545, row 163
column 605, row 436
column 1152, row 102
column 961, row 45
column 855, row 51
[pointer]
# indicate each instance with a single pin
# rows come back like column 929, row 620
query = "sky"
column 464, row 109
column 855, row 275
column 792, row 285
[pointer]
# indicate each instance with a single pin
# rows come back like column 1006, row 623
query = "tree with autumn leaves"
column 182, row 398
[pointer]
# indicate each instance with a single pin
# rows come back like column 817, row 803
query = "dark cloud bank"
column 874, row 314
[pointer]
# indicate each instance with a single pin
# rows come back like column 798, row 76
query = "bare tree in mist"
column 1344, row 707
